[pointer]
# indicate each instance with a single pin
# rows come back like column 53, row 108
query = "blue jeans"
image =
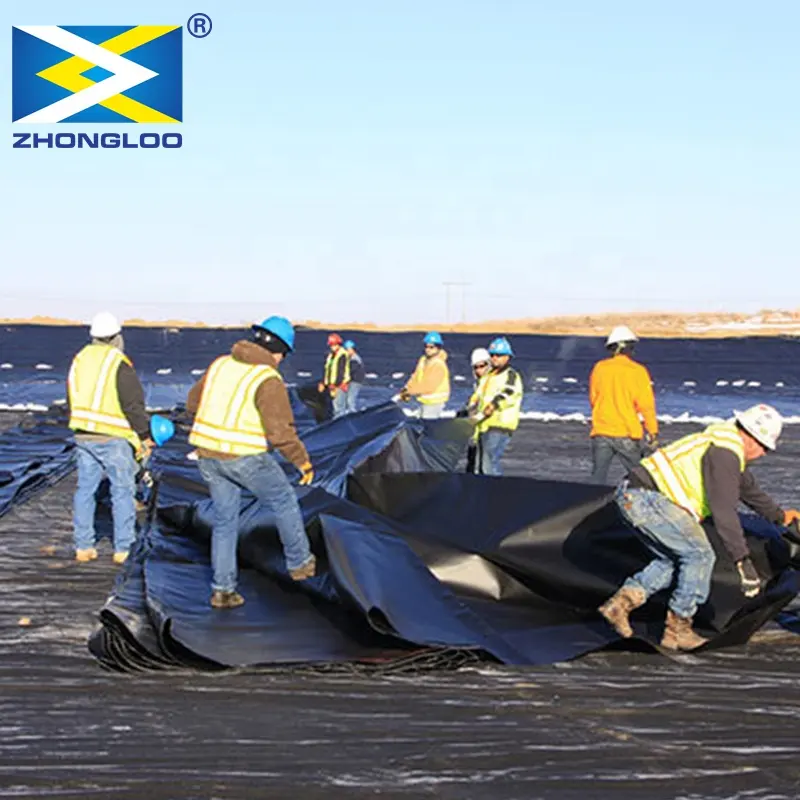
column 113, row 459
column 491, row 446
column 262, row 477
column 604, row 448
column 675, row 538
column 430, row 410
column 352, row 397
column 339, row 401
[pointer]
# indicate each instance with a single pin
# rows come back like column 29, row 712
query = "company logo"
column 97, row 73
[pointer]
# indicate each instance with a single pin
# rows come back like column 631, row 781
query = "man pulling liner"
column 667, row 496
column 242, row 411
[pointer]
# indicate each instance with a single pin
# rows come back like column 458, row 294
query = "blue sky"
column 342, row 160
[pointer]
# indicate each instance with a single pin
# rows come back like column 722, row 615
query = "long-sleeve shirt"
column 357, row 371
column 725, row 486
column 619, row 390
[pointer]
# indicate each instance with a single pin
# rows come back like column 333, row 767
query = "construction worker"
column 429, row 384
column 497, row 400
column 336, row 375
column 112, row 431
column 668, row 495
column 620, row 391
column 242, row 413
column 357, row 374
column 481, row 364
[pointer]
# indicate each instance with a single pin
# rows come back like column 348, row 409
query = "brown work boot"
column 307, row 570
column 226, row 599
column 678, row 634
column 618, row 607
column 89, row 554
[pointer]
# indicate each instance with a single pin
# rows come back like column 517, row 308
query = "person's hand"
column 147, row 449
column 488, row 410
column 344, row 387
column 320, row 387
column 405, row 395
column 791, row 516
column 748, row 576
column 307, row 474
column 333, row 391
column 651, row 440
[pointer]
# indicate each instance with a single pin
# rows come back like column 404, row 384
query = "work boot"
column 618, row 607
column 121, row 557
column 678, row 634
column 89, row 554
column 226, row 599
column 307, row 570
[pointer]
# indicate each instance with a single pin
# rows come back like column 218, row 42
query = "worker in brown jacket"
column 429, row 384
column 242, row 412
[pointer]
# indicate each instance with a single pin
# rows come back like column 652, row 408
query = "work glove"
column 405, row 395
column 651, row 443
column 462, row 413
column 333, row 391
column 790, row 517
column 320, row 387
column 307, row 474
column 488, row 410
column 146, row 450
column 748, row 576
column 344, row 387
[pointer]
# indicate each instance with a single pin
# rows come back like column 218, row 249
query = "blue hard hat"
column 280, row 327
column 349, row 345
column 161, row 429
column 433, row 338
column 501, row 347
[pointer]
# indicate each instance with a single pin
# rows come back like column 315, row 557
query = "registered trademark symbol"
column 199, row 25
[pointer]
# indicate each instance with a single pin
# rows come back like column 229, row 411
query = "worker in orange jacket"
column 621, row 395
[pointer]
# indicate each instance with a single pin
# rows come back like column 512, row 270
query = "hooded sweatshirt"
column 272, row 401
column 429, row 374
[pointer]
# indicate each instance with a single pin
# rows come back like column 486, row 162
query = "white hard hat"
column 622, row 333
column 480, row 355
column 763, row 423
column 104, row 325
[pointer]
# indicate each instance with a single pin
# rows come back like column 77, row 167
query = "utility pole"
column 457, row 284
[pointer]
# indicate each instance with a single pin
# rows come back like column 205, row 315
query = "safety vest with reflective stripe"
column 505, row 390
column 677, row 469
column 93, row 399
column 227, row 419
column 441, row 394
column 332, row 368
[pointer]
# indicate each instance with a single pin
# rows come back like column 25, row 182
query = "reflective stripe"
column 332, row 367
column 227, row 419
column 93, row 398
column 677, row 469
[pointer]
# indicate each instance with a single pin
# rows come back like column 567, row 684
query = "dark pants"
column 604, row 448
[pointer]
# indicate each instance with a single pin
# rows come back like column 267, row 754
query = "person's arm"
column 195, row 393
column 275, row 410
column 594, row 390
column 645, row 402
column 722, row 478
column 131, row 400
column 753, row 496
column 513, row 386
column 343, row 370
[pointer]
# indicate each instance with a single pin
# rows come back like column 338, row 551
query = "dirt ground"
column 722, row 725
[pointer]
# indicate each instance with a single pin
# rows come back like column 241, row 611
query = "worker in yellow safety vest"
column 241, row 413
column 667, row 497
column 107, row 413
column 481, row 364
column 336, row 374
column 429, row 384
column 498, row 401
